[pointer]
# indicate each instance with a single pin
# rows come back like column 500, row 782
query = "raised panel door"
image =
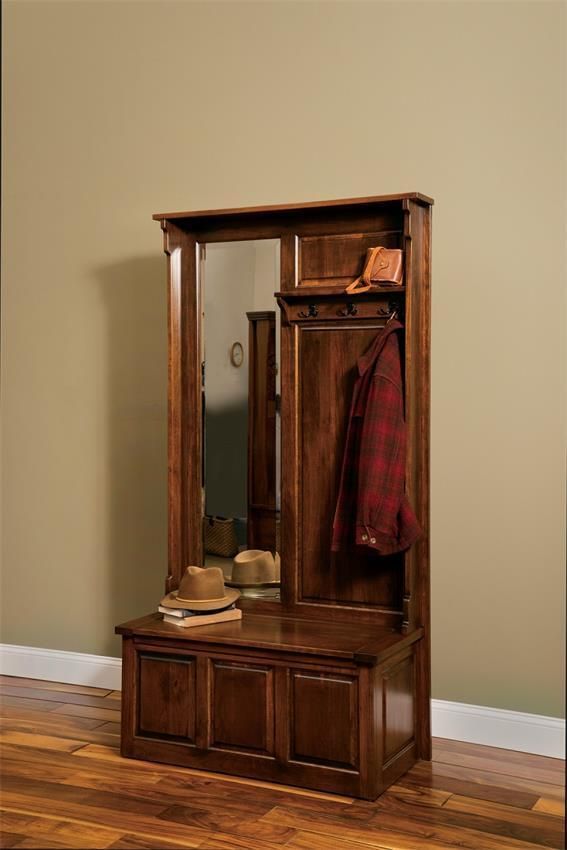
column 166, row 704
column 324, row 719
column 242, row 707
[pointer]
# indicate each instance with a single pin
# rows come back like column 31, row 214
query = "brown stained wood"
column 62, row 730
column 438, row 775
column 550, row 807
column 482, row 790
column 346, row 641
column 54, row 696
column 39, row 844
column 338, row 259
column 546, row 773
column 314, row 841
column 94, row 790
column 42, row 742
column 46, row 830
column 137, row 842
column 111, row 728
column 310, row 205
column 218, row 821
column 324, row 725
column 72, row 794
column 327, row 357
column 398, row 693
column 400, row 832
column 243, row 707
column 418, row 795
column 167, row 696
column 45, row 719
column 43, row 684
column 10, row 839
column 537, row 821
column 489, row 821
column 36, row 705
column 138, row 824
column 261, row 489
column 88, row 711
column 501, row 758
column 223, row 841
column 353, row 610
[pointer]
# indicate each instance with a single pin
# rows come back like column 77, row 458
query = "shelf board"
column 314, row 292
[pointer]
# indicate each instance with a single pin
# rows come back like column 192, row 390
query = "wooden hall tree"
column 327, row 687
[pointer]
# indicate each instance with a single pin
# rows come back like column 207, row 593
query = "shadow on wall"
column 134, row 292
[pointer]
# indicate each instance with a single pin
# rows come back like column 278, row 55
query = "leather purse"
column 383, row 266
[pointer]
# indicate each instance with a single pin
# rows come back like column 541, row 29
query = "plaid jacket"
column 372, row 507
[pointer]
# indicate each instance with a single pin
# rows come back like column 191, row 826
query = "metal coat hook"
column 350, row 310
column 312, row 312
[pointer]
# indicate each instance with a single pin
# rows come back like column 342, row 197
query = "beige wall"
column 116, row 110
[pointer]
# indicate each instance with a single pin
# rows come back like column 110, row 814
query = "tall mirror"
column 241, row 413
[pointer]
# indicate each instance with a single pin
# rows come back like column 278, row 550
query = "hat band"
column 216, row 599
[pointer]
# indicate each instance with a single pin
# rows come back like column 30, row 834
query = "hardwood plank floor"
column 64, row 784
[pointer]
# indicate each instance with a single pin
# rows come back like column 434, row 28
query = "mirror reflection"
column 241, row 413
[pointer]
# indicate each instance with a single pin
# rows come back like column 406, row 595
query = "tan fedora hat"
column 255, row 568
column 201, row 590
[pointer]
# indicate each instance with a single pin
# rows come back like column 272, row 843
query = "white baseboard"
column 495, row 727
column 73, row 668
column 477, row 724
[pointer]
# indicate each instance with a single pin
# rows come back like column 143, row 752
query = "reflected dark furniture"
column 261, row 489
column 329, row 688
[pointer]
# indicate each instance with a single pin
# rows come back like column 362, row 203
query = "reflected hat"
column 201, row 589
column 255, row 568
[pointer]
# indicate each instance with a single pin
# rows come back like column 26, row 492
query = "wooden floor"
column 65, row 785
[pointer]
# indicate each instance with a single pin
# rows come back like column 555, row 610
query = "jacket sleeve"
column 384, row 518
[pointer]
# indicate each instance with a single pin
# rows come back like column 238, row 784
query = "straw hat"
column 201, row 590
column 255, row 568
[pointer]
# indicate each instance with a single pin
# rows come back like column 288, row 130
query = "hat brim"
column 232, row 583
column 172, row 601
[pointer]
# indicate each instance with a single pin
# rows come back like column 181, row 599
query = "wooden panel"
column 261, row 515
column 398, row 708
column 342, row 308
column 324, row 719
column 338, row 259
column 311, row 206
column 166, row 705
column 185, row 545
column 243, row 707
column 328, row 356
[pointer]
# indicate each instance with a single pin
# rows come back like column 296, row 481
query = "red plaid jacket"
column 372, row 507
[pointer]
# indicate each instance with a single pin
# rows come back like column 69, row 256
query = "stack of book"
column 187, row 619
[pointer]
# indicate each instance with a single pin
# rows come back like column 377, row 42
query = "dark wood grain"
column 167, row 696
column 353, row 610
column 310, row 205
column 328, row 704
column 243, row 707
column 93, row 798
column 261, row 490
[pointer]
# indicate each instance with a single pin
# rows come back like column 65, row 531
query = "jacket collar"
column 369, row 357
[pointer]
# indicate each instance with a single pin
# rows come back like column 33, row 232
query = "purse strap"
column 366, row 275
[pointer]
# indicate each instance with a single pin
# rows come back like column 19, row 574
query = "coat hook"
column 349, row 310
column 390, row 310
column 311, row 312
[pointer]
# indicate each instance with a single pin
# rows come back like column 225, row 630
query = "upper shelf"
column 314, row 292
column 313, row 205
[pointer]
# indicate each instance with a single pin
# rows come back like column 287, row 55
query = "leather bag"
column 383, row 266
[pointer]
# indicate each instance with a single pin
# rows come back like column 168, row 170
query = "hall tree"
column 328, row 687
